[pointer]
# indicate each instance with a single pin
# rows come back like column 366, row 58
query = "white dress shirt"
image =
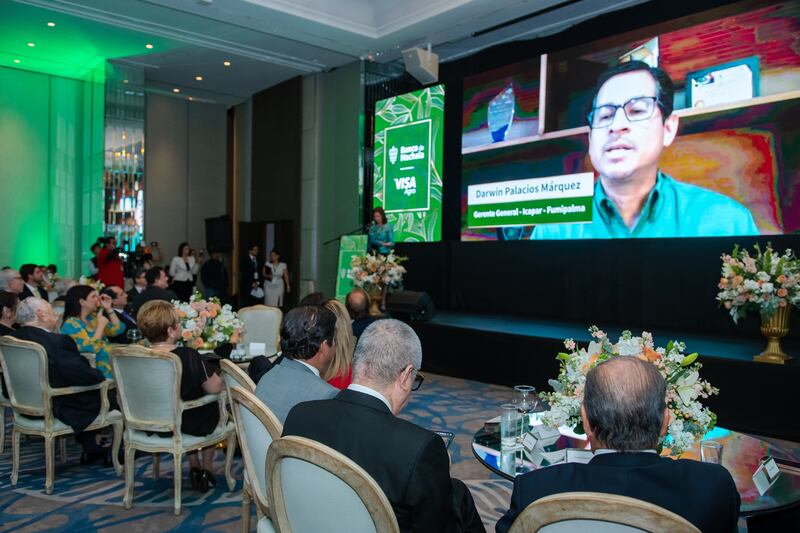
column 314, row 370
column 372, row 392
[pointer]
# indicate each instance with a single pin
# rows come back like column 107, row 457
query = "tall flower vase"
column 774, row 328
column 375, row 296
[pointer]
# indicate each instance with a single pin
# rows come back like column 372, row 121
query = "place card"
column 533, row 450
column 766, row 474
column 555, row 457
column 547, row 436
column 257, row 348
column 575, row 455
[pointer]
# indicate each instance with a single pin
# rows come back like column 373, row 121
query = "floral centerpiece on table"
column 375, row 271
column 689, row 420
column 207, row 323
column 765, row 281
column 96, row 284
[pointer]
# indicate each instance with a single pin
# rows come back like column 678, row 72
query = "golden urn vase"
column 375, row 297
column 774, row 328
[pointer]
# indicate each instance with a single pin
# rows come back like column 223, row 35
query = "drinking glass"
column 525, row 400
column 134, row 335
column 711, row 452
column 509, row 425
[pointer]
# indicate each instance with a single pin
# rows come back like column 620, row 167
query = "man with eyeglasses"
column 631, row 123
column 409, row 463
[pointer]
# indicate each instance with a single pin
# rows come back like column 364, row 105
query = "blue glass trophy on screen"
column 501, row 113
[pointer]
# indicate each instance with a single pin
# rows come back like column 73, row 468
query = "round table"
column 741, row 456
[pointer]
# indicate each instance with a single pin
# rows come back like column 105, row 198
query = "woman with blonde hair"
column 159, row 322
column 340, row 373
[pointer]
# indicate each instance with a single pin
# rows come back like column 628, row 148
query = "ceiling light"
column 176, row 90
column 51, row 24
column 190, row 98
column 124, row 81
column 16, row 61
column 226, row 63
column 31, row 44
column 148, row 46
column 199, row 78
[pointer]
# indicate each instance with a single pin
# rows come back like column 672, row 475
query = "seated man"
column 157, row 283
column 307, row 349
column 624, row 414
column 119, row 302
column 66, row 367
column 357, row 303
column 408, row 462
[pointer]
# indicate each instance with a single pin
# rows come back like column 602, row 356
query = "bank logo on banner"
column 407, row 167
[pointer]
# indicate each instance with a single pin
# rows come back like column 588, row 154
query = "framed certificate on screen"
column 730, row 82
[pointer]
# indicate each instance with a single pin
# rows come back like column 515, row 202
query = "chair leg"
column 229, row 451
column 115, row 447
column 63, row 449
column 2, row 429
column 245, row 508
column 49, row 463
column 156, row 466
column 15, row 435
column 177, row 475
column 130, row 457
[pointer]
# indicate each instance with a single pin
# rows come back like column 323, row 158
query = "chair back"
column 256, row 427
column 148, row 385
column 25, row 372
column 262, row 324
column 595, row 512
column 235, row 377
column 314, row 488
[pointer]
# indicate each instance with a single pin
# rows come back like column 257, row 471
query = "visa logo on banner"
column 407, row 185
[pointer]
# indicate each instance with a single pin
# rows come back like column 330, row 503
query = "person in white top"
column 183, row 269
column 276, row 277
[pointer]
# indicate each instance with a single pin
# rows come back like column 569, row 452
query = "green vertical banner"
column 349, row 246
column 408, row 163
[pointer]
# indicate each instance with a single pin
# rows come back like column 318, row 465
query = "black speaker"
column 410, row 305
column 219, row 234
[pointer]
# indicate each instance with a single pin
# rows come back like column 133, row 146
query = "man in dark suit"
column 66, row 367
column 32, row 276
column 119, row 302
column 250, row 277
column 357, row 303
column 408, row 462
column 139, row 285
column 157, row 283
column 624, row 414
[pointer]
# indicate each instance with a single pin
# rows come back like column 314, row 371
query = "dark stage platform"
column 754, row 397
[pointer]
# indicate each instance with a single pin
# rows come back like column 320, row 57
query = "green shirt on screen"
column 672, row 209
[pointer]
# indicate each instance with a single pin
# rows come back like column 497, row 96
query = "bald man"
column 357, row 303
column 625, row 415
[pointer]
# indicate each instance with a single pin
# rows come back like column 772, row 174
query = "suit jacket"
column 250, row 273
column 702, row 493
column 151, row 293
column 130, row 323
column 289, row 383
column 26, row 293
column 66, row 367
column 360, row 324
column 409, row 463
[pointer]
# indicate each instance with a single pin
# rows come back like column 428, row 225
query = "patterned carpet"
column 89, row 498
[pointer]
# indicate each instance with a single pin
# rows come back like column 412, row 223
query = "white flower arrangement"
column 375, row 271
column 96, row 284
column 207, row 322
column 765, row 281
column 690, row 420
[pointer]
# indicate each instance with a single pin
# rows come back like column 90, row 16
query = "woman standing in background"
column 381, row 236
column 183, row 269
column 277, row 280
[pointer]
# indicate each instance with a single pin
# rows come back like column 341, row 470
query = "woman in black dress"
column 8, row 312
column 160, row 324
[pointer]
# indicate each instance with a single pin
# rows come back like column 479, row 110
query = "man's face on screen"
column 627, row 150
